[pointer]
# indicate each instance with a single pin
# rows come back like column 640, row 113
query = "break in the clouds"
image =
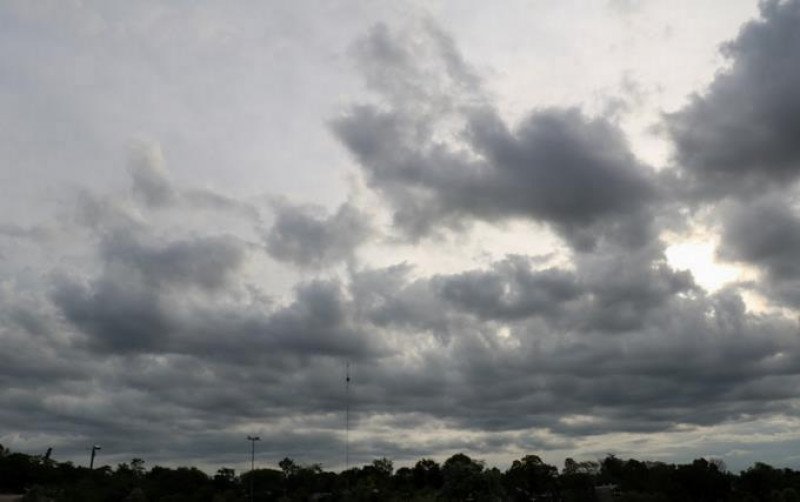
column 165, row 317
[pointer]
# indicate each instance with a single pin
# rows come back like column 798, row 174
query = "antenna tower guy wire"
column 347, row 417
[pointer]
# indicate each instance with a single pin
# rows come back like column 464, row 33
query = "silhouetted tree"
column 760, row 481
column 531, row 479
column 459, row 478
column 577, row 481
column 268, row 484
column 463, row 479
column 700, row 481
column 427, row 474
column 288, row 466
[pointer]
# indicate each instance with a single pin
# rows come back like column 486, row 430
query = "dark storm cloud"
column 624, row 286
column 304, row 236
column 510, row 347
column 741, row 134
column 738, row 142
column 214, row 364
column 562, row 167
column 555, row 358
column 123, row 308
column 320, row 321
column 117, row 316
column 386, row 298
column 179, row 292
column 648, row 375
column 765, row 233
column 611, row 290
column 33, row 352
column 557, row 166
column 205, row 262
column 126, row 313
column 509, row 290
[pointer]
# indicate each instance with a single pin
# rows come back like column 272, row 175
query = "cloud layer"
column 186, row 318
column 442, row 156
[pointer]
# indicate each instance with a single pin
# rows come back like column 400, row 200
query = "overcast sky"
column 565, row 228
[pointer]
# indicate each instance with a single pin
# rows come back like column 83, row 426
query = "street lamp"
column 94, row 451
column 252, row 440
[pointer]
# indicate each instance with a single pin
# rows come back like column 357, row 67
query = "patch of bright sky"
column 576, row 53
column 698, row 256
column 455, row 252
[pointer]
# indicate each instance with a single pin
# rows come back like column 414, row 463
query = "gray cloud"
column 179, row 291
column 765, row 233
column 621, row 342
column 557, row 166
column 737, row 142
column 612, row 290
column 304, row 236
column 126, row 311
column 740, row 135
column 510, row 290
column 205, row 262
column 401, row 67
column 509, row 347
column 153, row 188
column 625, row 287
column 151, row 183
column 103, row 213
column 31, row 233
column 644, row 378
column 123, row 308
column 561, row 167
column 159, row 332
column 118, row 316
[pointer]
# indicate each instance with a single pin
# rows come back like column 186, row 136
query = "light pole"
column 252, row 440
column 91, row 460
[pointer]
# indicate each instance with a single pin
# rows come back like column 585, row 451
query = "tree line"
column 459, row 478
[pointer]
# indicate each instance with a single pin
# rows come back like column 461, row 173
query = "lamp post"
column 91, row 460
column 252, row 440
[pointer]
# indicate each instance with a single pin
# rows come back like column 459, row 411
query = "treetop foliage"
column 459, row 478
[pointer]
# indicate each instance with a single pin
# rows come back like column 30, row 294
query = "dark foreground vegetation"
column 459, row 478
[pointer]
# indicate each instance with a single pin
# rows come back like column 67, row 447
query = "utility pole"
column 91, row 460
column 252, row 440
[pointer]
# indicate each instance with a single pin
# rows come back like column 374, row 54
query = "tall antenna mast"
column 252, row 440
column 347, row 416
column 94, row 452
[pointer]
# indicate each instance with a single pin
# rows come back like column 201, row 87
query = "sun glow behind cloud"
column 698, row 257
